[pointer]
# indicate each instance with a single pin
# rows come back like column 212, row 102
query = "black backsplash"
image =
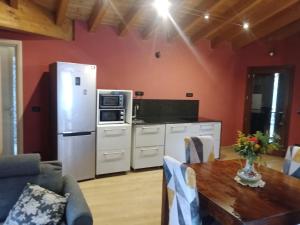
column 166, row 109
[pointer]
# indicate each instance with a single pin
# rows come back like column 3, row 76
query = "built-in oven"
column 108, row 116
column 111, row 101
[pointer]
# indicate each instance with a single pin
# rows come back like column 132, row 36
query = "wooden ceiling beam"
column 268, row 9
column 14, row 3
column 149, row 28
column 61, row 11
column 273, row 23
column 234, row 18
column 31, row 18
column 130, row 17
column 97, row 14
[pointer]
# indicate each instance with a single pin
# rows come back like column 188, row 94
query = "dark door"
column 268, row 101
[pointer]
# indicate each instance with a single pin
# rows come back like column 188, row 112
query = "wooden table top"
column 231, row 203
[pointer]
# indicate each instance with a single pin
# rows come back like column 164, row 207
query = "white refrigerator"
column 74, row 107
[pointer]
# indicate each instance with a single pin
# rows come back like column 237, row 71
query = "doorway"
column 268, row 101
column 11, row 95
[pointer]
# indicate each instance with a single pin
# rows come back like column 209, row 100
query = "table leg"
column 165, row 204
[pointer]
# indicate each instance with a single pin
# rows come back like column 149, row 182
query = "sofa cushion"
column 50, row 177
column 37, row 206
column 20, row 165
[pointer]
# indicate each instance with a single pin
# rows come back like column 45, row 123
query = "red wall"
column 287, row 53
column 216, row 77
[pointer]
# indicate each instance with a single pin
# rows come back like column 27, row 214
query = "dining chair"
column 182, row 194
column 199, row 149
column 291, row 164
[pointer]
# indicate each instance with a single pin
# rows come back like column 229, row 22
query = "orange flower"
column 253, row 139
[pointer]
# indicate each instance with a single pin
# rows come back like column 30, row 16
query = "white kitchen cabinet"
column 174, row 142
column 175, row 134
column 113, row 148
column 209, row 129
column 147, row 146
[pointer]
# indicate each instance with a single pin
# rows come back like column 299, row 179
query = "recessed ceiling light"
column 246, row 26
column 162, row 7
column 206, row 16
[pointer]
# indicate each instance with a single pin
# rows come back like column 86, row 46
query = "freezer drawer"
column 113, row 160
column 144, row 157
column 77, row 154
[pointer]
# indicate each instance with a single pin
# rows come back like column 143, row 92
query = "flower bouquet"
column 251, row 147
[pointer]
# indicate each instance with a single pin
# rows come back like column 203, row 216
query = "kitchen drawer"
column 150, row 135
column 203, row 128
column 144, row 157
column 113, row 137
column 113, row 160
column 175, row 134
column 180, row 128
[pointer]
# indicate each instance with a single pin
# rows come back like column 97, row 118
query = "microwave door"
column 111, row 116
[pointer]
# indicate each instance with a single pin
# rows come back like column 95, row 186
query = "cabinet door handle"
column 173, row 128
column 151, row 129
column 113, row 153
column 149, row 149
column 114, row 132
column 144, row 128
column 122, row 129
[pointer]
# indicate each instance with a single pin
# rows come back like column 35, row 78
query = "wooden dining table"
column 230, row 203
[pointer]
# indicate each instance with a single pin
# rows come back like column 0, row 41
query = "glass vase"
column 248, row 174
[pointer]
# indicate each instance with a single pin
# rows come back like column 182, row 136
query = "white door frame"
column 20, row 110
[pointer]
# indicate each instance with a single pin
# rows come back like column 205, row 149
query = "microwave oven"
column 107, row 116
column 111, row 101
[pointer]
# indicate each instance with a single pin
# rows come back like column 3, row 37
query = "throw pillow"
column 37, row 206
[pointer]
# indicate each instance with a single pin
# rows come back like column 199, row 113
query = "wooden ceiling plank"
column 97, row 14
column 286, row 31
column 130, row 17
column 61, row 11
column 233, row 19
column 31, row 18
column 273, row 23
column 14, row 3
column 184, row 22
column 255, row 18
column 195, row 22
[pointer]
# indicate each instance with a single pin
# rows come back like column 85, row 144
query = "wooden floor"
column 135, row 198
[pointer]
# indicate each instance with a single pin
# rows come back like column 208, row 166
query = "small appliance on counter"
column 73, row 106
column 113, row 142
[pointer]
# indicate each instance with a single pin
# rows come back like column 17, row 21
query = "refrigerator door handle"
column 76, row 134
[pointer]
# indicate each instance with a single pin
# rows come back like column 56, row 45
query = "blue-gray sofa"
column 17, row 171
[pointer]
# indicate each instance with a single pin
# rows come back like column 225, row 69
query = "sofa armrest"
column 77, row 210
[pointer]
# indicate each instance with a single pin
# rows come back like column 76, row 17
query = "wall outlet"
column 189, row 94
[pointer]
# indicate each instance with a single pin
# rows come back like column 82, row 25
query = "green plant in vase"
column 251, row 147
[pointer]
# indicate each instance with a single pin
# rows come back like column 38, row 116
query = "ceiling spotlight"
column 246, row 26
column 206, row 16
column 162, row 7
